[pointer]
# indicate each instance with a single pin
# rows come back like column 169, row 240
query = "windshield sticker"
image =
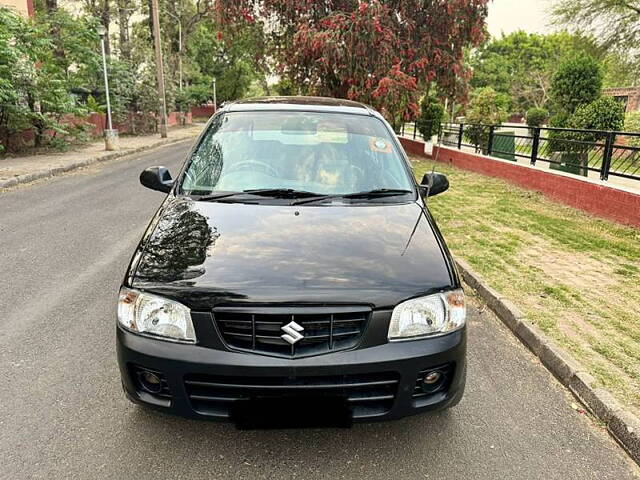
column 379, row 145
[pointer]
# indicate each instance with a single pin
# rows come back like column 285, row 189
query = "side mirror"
column 157, row 178
column 439, row 183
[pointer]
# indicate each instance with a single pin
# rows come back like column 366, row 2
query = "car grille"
column 260, row 330
column 367, row 395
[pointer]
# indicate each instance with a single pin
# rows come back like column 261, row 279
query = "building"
column 629, row 96
column 23, row 7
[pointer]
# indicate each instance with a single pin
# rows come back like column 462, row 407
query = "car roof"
column 299, row 103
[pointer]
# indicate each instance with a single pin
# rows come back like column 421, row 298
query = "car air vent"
column 367, row 395
column 291, row 332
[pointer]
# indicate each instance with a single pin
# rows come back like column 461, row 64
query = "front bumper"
column 376, row 383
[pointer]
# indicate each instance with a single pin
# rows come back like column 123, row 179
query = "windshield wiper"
column 317, row 198
column 380, row 192
column 218, row 196
column 307, row 197
column 281, row 193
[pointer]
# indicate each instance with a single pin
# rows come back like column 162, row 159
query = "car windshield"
column 323, row 153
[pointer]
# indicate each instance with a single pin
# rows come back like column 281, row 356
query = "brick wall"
column 203, row 111
column 601, row 200
column 632, row 93
column 138, row 123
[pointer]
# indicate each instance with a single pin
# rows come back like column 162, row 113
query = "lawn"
column 576, row 276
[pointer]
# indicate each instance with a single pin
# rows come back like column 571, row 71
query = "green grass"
column 576, row 276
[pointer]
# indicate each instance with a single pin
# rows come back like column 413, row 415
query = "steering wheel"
column 251, row 165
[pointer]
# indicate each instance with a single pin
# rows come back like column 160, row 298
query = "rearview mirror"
column 157, row 178
column 439, row 183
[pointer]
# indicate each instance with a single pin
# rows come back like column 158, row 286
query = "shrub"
column 93, row 106
column 431, row 114
column 596, row 118
column 606, row 113
column 559, row 120
column 632, row 124
column 577, row 82
column 487, row 107
column 536, row 117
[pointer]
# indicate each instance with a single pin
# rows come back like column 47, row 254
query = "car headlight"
column 149, row 314
column 432, row 315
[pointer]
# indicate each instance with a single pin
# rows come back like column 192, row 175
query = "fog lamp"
column 432, row 377
column 150, row 382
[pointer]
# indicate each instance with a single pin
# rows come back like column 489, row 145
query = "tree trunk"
column 265, row 85
column 51, row 7
column 123, row 23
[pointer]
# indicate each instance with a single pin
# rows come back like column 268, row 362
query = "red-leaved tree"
column 382, row 52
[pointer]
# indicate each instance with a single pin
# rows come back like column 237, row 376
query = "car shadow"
column 390, row 442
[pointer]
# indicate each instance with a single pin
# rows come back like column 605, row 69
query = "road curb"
column 52, row 172
column 621, row 424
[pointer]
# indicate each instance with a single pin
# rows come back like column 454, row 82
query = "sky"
column 510, row 15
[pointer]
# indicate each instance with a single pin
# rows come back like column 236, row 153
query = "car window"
column 314, row 152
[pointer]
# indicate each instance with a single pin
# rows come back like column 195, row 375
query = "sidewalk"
column 14, row 171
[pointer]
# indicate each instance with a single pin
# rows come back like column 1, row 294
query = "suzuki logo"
column 292, row 333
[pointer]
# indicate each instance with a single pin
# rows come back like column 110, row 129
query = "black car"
column 293, row 270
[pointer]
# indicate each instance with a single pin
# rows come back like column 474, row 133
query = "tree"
column 232, row 63
column 616, row 26
column 577, row 82
column 621, row 69
column 34, row 83
column 521, row 64
column 431, row 114
column 381, row 52
column 487, row 107
column 616, row 23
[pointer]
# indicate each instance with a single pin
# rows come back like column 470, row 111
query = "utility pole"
column 180, row 50
column 155, row 17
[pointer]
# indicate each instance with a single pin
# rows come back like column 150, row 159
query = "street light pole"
column 110, row 135
column 215, row 96
column 180, row 51
column 159, row 70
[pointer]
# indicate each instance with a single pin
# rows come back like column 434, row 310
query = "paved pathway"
column 16, row 166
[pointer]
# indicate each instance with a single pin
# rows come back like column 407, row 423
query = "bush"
column 632, row 124
column 487, row 107
column 431, row 114
column 285, row 87
column 598, row 117
column 536, row 117
column 606, row 113
column 577, row 82
column 560, row 120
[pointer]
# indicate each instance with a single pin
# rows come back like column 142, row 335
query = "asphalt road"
column 64, row 245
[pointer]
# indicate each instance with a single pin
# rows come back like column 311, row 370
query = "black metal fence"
column 608, row 154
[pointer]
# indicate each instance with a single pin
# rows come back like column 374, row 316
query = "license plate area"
column 267, row 412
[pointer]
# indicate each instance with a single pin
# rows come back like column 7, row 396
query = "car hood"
column 205, row 254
